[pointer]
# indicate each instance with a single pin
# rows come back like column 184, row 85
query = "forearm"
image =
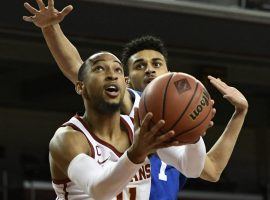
column 188, row 159
column 220, row 153
column 65, row 54
column 92, row 178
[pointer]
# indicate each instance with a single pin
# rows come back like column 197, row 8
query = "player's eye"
column 119, row 70
column 98, row 68
column 139, row 66
column 157, row 64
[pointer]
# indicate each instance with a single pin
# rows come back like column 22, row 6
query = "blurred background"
column 226, row 38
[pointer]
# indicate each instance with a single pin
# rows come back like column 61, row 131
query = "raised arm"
column 219, row 155
column 63, row 51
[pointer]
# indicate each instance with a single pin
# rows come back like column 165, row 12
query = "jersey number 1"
column 162, row 176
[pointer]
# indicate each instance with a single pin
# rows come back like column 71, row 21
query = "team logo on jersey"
column 182, row 85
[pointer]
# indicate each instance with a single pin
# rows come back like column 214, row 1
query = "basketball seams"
column 184, row 132
column 145, row 107
column 144, row 103
column 165, row 95
column 182, row 114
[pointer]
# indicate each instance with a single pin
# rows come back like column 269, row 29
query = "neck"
column 103, row 125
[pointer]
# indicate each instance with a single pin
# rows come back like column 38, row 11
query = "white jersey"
column 104, row 153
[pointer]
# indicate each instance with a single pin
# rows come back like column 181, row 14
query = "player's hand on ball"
column 148, row 138
column 46, row 16
column 234, row 96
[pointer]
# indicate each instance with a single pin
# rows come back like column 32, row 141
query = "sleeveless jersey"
column 105, row 154
column 166, row 181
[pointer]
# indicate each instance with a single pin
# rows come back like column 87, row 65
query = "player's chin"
column 112, row 99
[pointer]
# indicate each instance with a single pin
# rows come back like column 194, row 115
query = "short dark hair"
column 142, row 43
column 83, row 69
column 87, row 63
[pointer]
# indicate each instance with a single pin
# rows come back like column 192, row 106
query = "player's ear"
column 79, row 87
column 127, row 80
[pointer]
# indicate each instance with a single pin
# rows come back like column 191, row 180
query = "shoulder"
column 68, row 140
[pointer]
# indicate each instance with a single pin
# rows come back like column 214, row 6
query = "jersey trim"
column 65, row 190
column 60, row 182
column 119, row 154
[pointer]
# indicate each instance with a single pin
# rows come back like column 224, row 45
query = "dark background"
column 36, row 98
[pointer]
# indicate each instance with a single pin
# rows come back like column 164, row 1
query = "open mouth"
column 112, row 90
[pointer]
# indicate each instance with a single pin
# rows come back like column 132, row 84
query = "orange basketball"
column 182, row 101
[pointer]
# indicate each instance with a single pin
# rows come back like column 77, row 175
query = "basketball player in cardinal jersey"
column 97, row 155
column 91, row 153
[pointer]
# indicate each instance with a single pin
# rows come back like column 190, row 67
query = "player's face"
column 104, row 82
column 144, row 66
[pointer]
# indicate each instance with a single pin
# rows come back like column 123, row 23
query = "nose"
column 111, row 75
column 150, row 70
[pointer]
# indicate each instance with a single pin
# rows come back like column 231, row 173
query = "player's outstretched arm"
column 219, row 155
column 63, row 51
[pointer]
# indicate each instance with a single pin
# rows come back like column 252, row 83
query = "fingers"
column 66, row 10
column 166, row 137
column 136, row 118
column 217, row 84
column 218, row 81
column 41, row 5
column 146, row 122
column 211, row 124
column 214, row 111
column 167, row 140
column 50, row 4
column 28, row 19
column 157, row 127
column 31, row 9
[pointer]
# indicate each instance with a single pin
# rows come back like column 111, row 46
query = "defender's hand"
column 234, row 96
column 46, row 16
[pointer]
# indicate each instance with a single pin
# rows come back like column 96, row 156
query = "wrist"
column 242, row 111
column 135, row 157
column 49, row 28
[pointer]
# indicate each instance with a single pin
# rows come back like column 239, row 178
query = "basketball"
column 182, row 101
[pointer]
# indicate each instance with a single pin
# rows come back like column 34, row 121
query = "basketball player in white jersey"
column 91, row 154
column 97, row 155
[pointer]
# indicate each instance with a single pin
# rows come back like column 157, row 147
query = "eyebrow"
column 100, row 60
column 141, row 60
